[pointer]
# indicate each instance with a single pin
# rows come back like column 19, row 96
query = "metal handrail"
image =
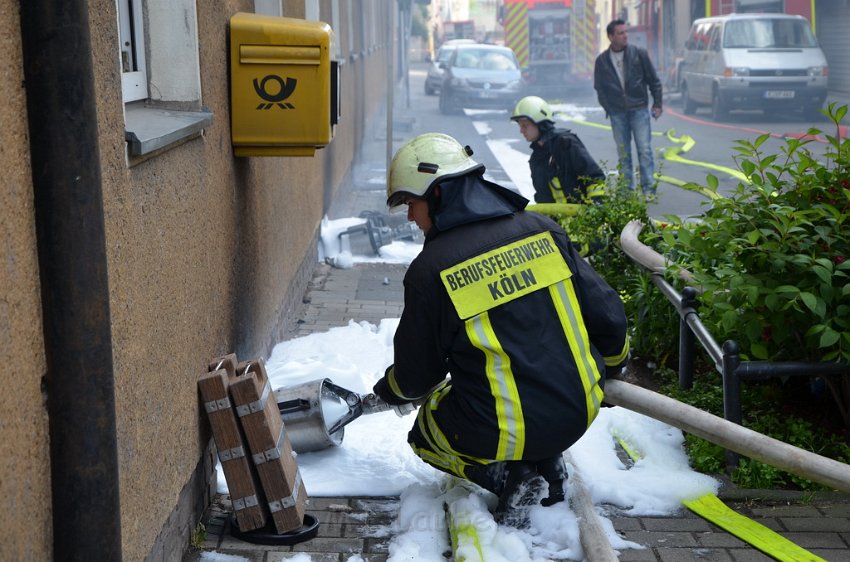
column 726, row 357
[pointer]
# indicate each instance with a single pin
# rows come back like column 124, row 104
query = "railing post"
column 687, row 340
column 731, row 393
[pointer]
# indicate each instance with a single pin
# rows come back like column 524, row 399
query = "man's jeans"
column 624, row 125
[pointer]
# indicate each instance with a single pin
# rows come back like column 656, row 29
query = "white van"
column 753, row 61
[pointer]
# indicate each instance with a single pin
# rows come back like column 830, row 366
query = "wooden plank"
column 227, row 362
column 269, row 444
column 249, row 503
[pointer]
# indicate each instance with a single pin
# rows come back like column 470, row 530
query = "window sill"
column 149, row 129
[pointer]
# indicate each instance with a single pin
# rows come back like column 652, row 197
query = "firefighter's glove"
column 401, row 406
column 614, row 372
column 404, row 409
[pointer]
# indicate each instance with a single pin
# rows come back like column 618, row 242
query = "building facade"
column 137, row 248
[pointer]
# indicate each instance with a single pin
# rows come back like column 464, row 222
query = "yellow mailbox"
column 284, row 87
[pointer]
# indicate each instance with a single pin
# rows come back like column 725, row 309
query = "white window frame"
column 268, row 7
column 311, row 10
column 349, row 12
column 131, row 36
column 160, row 74
column 335, row 25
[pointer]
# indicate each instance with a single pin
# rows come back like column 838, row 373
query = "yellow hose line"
column 710, row 508
column 673, row 154
column 552, row 209
column 464, row 533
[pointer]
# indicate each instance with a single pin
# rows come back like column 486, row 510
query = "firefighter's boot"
column 522, row 490
column 491, row 476
column 554, row 471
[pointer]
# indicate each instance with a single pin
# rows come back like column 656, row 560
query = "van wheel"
column 689, row 107
column 719, row 111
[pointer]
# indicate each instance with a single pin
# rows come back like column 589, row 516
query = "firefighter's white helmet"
column 423, row 161
column 533, row 108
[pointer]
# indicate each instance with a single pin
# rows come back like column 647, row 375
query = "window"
column 160, row 73
column 311, row 10
column 268, row 7
column 134, row 82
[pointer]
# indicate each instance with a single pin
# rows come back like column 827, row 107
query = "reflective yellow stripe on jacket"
column 566, row 302
column 502, row 387
column 556, row 190
column 441, row 453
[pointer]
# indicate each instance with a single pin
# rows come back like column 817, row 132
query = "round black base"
column 268, row 535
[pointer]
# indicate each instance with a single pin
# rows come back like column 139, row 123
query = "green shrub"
column 772, row 258
column 762, row 412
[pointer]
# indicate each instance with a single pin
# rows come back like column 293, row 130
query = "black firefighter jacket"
column 562, row 168
column 526, row 328
column 640, row 75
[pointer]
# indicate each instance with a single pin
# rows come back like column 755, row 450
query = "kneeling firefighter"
column 499, row 300
column 562, row 170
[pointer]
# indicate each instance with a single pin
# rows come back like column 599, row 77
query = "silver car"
column 480, row 76
column 434, row 80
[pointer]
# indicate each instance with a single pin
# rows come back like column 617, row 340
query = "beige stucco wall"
column 206, row 254
column 204, row 250
column 24, row 442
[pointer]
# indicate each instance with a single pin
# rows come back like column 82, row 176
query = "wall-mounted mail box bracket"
column 284, row 87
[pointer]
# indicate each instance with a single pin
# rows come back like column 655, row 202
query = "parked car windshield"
column 485, row 60
column 444, row 54
column 768, row 33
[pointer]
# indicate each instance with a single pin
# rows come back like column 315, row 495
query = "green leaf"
column 825, row 276
column 752, row 295
column 809, row 300
column 759, row 351
column 845, row 290
column 729, row 319
column 753, row 236
column 787, row 290
column 771, row 301
column 761, row 140
column 826, row 263
column 820, row 309
column 816, row 329
column 828, row 338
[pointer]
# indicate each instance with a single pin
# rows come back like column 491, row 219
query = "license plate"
column 487, row 94
column 779, row 94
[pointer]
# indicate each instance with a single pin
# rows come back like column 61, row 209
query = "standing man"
column 499, row 300
column 622, row 76
column 562, row 170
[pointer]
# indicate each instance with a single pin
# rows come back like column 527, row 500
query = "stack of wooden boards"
column 254, row 449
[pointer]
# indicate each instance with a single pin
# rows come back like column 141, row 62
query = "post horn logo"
column 284, row 90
